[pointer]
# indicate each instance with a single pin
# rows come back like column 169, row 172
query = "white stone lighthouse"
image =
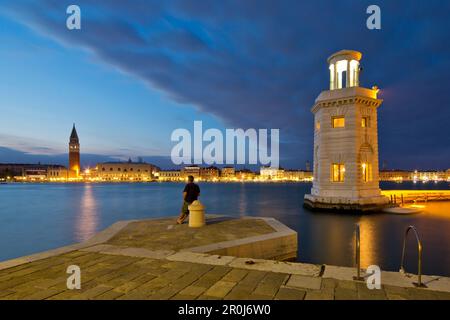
column 346, row 141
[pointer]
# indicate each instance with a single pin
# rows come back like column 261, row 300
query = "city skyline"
column 155, row 71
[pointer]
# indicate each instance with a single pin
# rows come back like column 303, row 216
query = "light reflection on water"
column 37, row 217
column 87, row 220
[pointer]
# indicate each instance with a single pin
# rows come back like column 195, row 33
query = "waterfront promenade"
column 155, row 259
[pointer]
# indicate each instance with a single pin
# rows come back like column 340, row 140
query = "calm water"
column 37, row 217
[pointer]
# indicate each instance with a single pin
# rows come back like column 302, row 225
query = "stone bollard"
column 196, row 214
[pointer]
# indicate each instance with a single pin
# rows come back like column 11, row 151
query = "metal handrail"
column 419, row 249
column 358, row 254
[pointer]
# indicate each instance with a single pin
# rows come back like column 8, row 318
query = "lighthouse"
column 345, row 168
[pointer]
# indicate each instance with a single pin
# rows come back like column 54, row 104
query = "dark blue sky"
column 140, row 69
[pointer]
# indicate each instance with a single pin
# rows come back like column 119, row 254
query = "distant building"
column 269, row 173
column 396, row 175
column 209, row 173
column 190, row 171
column 74, row 154
column 169, row 175
column 429, row 175
column 228, row 173
column 125, row 171
column 32, row 172
column 297, row 175
column 57, row 173
column 245, row 174
column 405, row 175
column 11, row 170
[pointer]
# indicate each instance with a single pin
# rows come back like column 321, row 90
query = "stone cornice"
column 370, row 102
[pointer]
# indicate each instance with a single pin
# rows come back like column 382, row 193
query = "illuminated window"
column 366, row 172
column 337, row 172
column 338, row 122
column 365, row 122
column 318, row 125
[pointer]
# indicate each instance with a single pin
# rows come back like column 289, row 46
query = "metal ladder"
column 402, row 269
column 419, row 249
column 358, row 255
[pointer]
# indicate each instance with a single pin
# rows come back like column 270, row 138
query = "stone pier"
column 227, row 259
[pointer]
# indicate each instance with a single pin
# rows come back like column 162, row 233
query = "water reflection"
column 87, row 220
column 368, row 237
column 242, row 201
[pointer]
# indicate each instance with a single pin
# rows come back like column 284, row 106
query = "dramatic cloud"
column 262, row 63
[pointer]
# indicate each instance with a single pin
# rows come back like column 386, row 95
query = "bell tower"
column 74, row 154
column 345, row 169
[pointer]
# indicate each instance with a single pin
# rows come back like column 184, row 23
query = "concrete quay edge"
column 302, row 270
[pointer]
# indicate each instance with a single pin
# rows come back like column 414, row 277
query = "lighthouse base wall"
column 366, row 204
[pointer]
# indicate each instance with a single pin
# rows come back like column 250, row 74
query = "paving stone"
column 235, row 275
column 211, row 277
column 92, row 292
column 340, row 273
column 253, row 278
column 442, row 295
column 365, row 293
column 134, row 295
column 345, row 294
column 5, row 293
column 64, row 295
column 220, row 289
column 290, row 294
column 239, row 293
column 255, row 296
column 43, row 294
column 193, row 291
column 131, row 285
column 324, row 294
column 304, row 282
column 276, row 266
column 395, row 296
column 182, row 297
column 270, row 284
column 164, row 294
column 186, row 256
column 345, row 284
column 421, row 294
column 203, row 297
column 109, row 295
column 245, row 287
column 328, row 283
